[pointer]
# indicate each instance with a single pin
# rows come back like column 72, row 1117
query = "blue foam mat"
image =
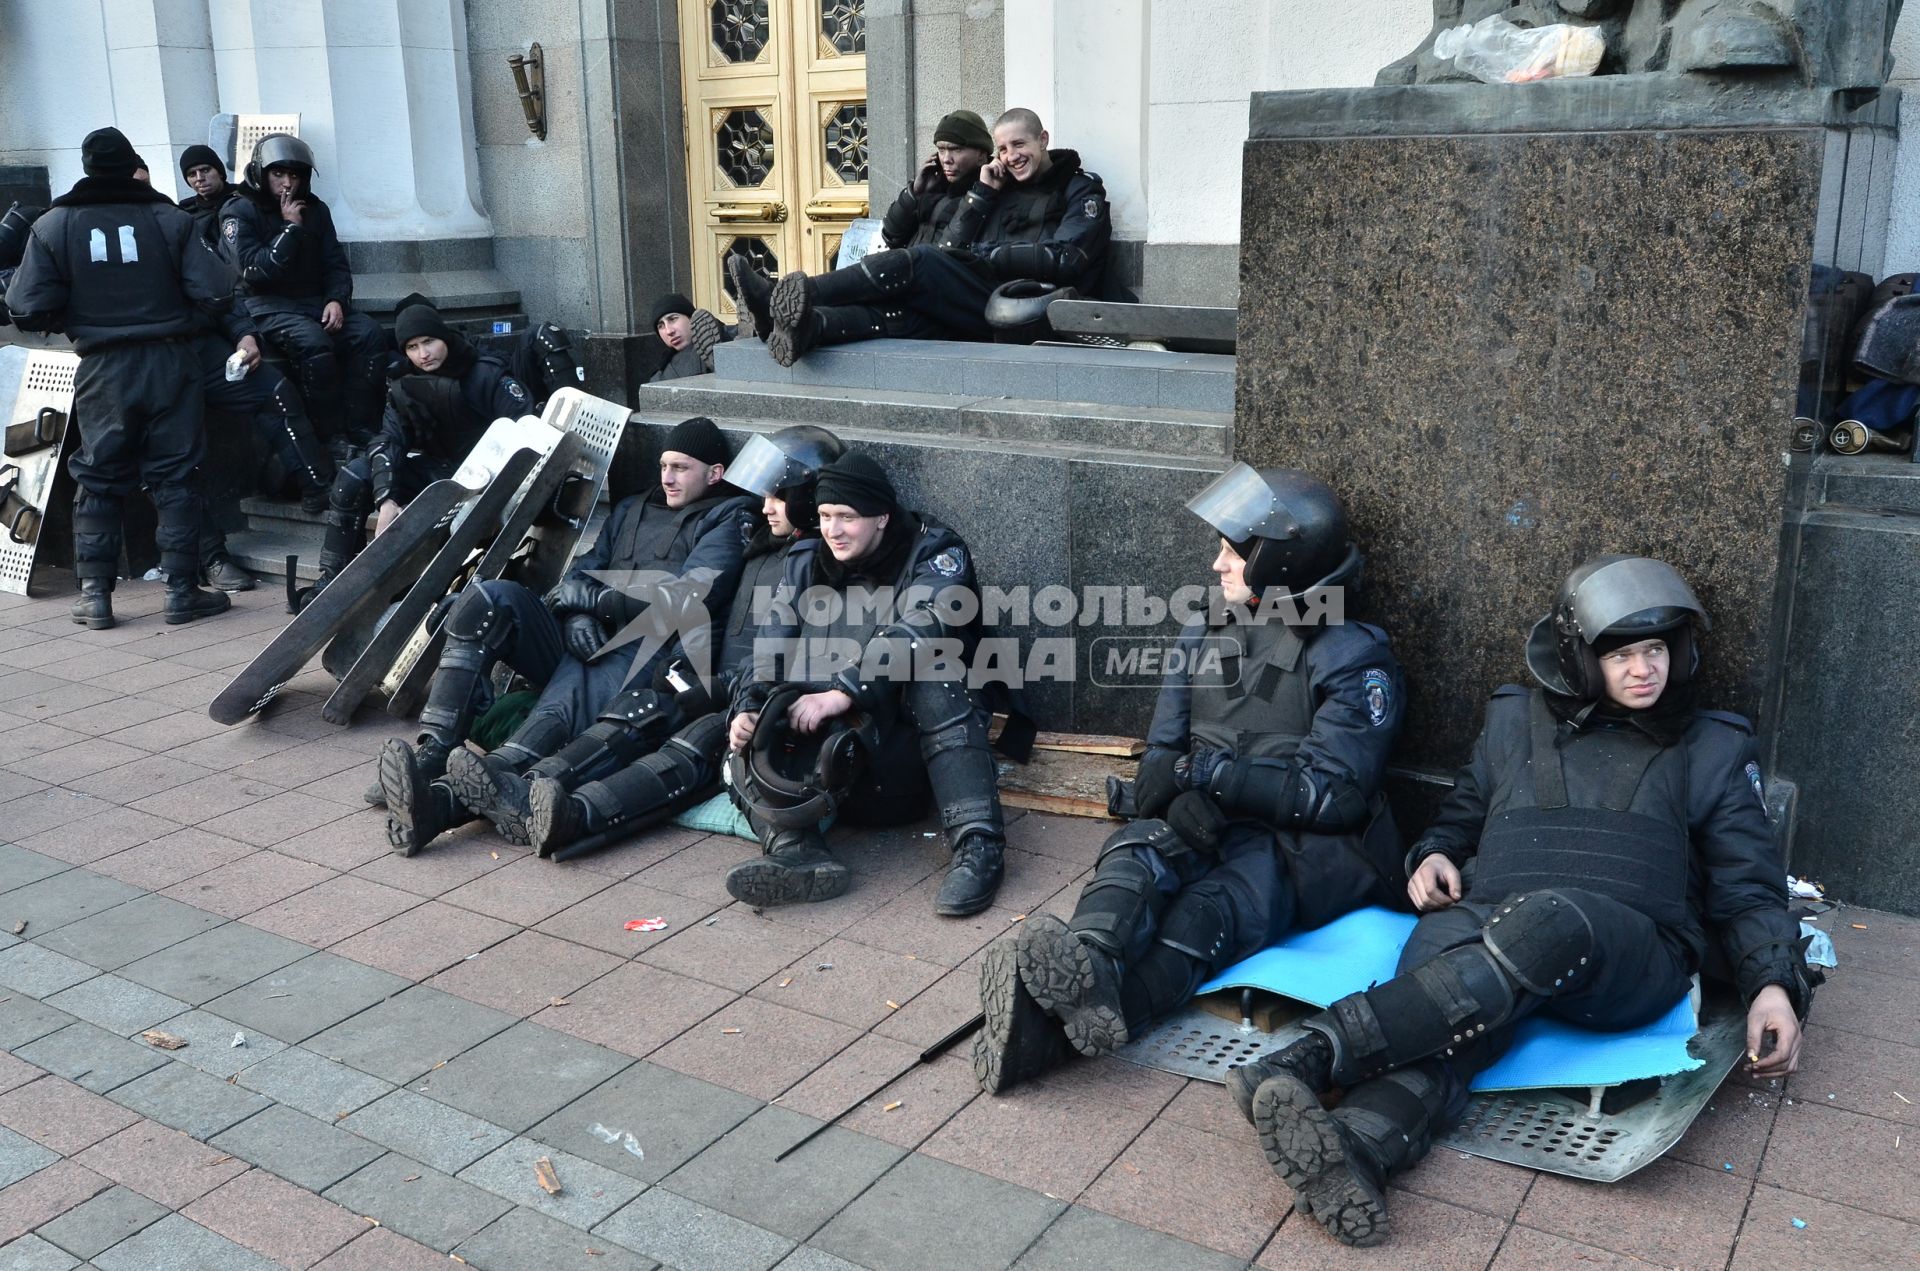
column 1362, row 948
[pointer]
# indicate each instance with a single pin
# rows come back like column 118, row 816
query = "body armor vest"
column 761, row 572
column 652, row 540
column 1258, row 704
column 1605, row 812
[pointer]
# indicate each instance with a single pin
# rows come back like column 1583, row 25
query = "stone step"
column 1113, row 377
column 1869, row 481
column 260, row 511
column 264, row 552
column 1002, row 421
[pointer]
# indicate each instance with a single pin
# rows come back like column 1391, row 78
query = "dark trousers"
column 140, row 411
column 340, row 373
column 572, row 692
column 1245, row 882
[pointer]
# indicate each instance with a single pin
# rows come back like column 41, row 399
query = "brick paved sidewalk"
column 418, row 1032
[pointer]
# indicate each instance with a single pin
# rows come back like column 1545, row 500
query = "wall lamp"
column 530, row 80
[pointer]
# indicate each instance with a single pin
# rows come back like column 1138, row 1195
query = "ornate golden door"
column 776, row 115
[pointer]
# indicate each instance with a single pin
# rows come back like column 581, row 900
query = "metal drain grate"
column 1194, row 1043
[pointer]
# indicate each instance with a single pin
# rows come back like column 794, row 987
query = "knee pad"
column 1543, row 940
column 1114, row 904
column 891, row 272
column 476, row 622
column 638, row 710
column 1152, row 833
column 705, row 738
column 351, row 491
column 1195, row 924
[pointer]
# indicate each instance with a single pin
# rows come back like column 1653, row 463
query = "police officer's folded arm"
column 260, row 254
column 38, row 295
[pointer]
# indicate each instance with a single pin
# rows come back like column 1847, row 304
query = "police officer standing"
column 1258, row 797
column 117, row 267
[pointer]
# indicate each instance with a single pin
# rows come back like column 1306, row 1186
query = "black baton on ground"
column 927, row 1056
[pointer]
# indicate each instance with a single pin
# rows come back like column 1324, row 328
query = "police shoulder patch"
column 513, row 387
column 1093, row 208
column 1377, row 686
column 949, row 563
column 230, row 226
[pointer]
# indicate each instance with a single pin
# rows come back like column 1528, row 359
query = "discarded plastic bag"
column 1819, row 947
column 1496, row 51
column 619, row 1138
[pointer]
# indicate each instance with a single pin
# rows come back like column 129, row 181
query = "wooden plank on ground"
column 1061, row 781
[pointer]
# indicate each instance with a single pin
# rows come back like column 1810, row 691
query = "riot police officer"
column 117, row 267
column 1617, row 830
column 921, row 212
column 1258, row 799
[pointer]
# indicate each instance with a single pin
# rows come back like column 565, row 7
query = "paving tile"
column 250, row 883
column 27, row 968
column 1856, row 1001
column 383, row 1250
column 162, row 1164
column 188, row 1100
column 424, row 940
column 807, row 1258
column 885, row 864
column 210, row 1043
column 907, row 924
column 932, row 1015
column 1731, row 1131
column 302, row 998
column 1215, row 1192
column 928, row 1214
column 738, row 951
column 302, row 764
column 588, row 1193
column 45, row 1195
column 527, row 890
column 53, row 701
column 312, row 1084
column 91, row 1057
column 31, row 1253
column 858, row 986
column 405, row 1035
column 452, row 861
column 1860, row 1072
column 15, row 1072
column 348, row 788
column 1525, row 1249
column 416, row 1126
column 682, row 1233
column 232, row 749
column 625, row 859
column 670, row 1117
column 200, row 969
column 434, row 1209
column 354, row 840
column 491, row 1080
column 698, row 870
column 1073, row 839
column 313, row 1153
column 168, row 860
column 269, row 821
column 1087, row 1240
column 328, row 913
column 61, row 899
column 23, row 743
column 86, row 841
column 144, row 925
column 1845, row 1158
column 522, row 974
column 1834, row 1235
column 1672, row 1213
column 58, row 1114
column 83, row 758
column 275, row 1219
column 22, row 1019
column 794, row 1197
column 524, row 1238
column 1426, row 1234
column 18, row 867
column 98, row 1224
column 110, row 712
column 84, row 666
column 599, row 921
column 207, row 798
column 1468, row 1182
column 180, row 1244
column 1082, row 1134
column 139, row 779
column 21, row 1156
column 774, row 1047
column 633, row 1009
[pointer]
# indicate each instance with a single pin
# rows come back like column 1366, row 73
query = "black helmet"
column 277, row 150
column 1289, row 528
column 787, row 464
column 1017, row 310
column 1634, row 597
column 793, row 780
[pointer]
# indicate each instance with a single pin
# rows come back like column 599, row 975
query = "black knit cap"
column 964, row 128
column 418, row 320
column 672, row 302
column 106, row 152
column 699, row 438
column 853, row 480
column 194, row 156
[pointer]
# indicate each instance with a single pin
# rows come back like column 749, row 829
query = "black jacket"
column 280, row 264
column 114, row 262
column 474, row 390
column 922, row 211
column 1055, row 228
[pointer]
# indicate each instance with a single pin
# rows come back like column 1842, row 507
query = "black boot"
column 1306, row 1061
column 94, row 609
column 1076, row 983
column 1019, row 1040
column 979, row 863
column 708, row 335
column 489, row 787
column 751, row 291
column 346, row 535
column 555, row 818
column 186, row 602
column 420, row 805
column 823, row 326
column 795, row 867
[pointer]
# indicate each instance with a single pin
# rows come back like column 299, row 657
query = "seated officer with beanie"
column 690, row 335
column 922, row 211
column 1258, row 800
column 1619, row 840
column 1031, row 213
column 883, row 569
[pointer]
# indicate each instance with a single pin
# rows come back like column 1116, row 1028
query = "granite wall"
column 1521, row 325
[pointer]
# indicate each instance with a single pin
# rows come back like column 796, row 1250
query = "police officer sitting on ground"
column 1616, row 831
column 887, row 567
column 692, row 528
column 690, row 335
column 566, row 808
column 435, row 414
column 1031, row 213
column 1258, row 799
column 117, row 267
column 298, row 288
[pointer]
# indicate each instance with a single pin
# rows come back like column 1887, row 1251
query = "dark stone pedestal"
column 1517, row 326
column 24, row 183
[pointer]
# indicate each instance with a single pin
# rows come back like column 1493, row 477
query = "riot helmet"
column 278, row 150
column 1617, row 599
column 787, row 464
column 1289, row 528
column 793, row 780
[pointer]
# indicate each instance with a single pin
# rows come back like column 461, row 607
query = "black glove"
column 1155, row 784
column 1198, row 821
column 575, row 595
column 584, row 636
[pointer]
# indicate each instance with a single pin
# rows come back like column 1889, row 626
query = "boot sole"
column 780, row 347
column 174, row 619
column 1059, row 974
column 541, row 805
column 766, row 883
column 788, row 303
column 1302, row 1143
column 472, row 784
column 396, row 782
column 94, row 624
column 1010, row 1049
column 231, row 588
column 736, row 265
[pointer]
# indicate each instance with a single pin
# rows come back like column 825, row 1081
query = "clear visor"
column 1626, row 587
column 1241, row 506
column 762, row 467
